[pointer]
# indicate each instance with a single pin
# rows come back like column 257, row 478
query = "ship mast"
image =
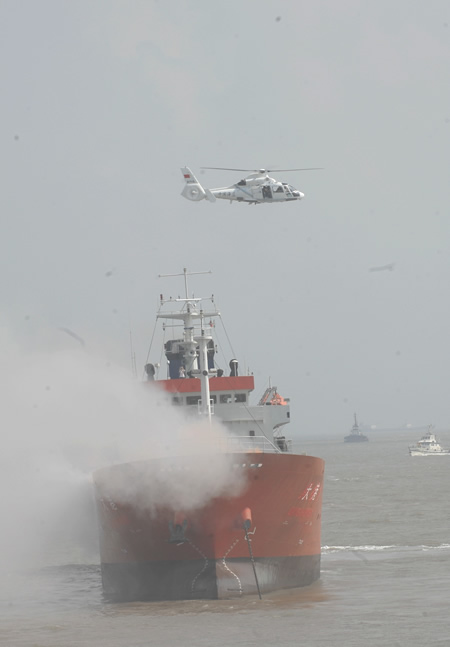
column 188, row 314
column 205, row 373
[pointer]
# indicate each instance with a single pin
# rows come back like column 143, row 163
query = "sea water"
column 385, row 578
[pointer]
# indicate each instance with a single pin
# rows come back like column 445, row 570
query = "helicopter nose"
column 301, row 195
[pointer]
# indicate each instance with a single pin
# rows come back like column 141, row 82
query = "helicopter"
column 256, row 188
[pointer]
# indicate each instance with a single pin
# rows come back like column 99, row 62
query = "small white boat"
column 428, row 446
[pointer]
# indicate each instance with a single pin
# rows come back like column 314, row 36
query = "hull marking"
column 225, row 565
column 205, row 565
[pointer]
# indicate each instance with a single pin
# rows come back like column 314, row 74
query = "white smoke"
column 67, row 413
column 184, row 481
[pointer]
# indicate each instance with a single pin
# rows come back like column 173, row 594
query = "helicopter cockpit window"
column 278, row 189
column 242, row 183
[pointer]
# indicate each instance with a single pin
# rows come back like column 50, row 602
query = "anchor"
column 246, row 516
column 177, row 529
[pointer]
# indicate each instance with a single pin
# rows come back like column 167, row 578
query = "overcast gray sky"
column 102, row 101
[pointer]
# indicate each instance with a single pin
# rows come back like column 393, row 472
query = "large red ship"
column 260, row 532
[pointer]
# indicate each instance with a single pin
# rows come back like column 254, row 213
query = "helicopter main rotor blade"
column 220, row 168
column 260, row 170
column 283, row 170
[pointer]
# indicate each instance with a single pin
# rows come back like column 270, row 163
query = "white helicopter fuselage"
column 254, row 189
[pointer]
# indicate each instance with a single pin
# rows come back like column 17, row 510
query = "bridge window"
column 240, row 397
column 193, row 399
column 225, row 398
column 177, row 400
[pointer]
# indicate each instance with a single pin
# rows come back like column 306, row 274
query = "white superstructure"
column 428, row 446
column 196, row 382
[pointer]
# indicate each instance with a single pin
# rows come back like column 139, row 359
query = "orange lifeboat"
column 278, row 399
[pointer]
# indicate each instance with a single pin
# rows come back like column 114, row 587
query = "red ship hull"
column 155, row 552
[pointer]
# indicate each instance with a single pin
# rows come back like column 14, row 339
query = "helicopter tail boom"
column 193, row 190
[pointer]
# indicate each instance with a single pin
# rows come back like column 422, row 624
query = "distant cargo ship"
column 264, row 537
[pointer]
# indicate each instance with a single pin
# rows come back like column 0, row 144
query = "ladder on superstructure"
column 267, row 395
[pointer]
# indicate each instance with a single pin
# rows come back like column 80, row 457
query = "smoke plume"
column 67, row 413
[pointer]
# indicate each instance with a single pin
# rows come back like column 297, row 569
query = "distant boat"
column 355, row 435
column 428, row 446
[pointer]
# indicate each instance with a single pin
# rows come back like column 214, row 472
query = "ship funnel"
column 234, row 368
column 150, row 371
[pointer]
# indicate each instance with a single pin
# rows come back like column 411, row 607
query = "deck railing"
column 262, row 444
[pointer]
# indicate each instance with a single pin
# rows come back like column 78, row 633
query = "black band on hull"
column 206, row 579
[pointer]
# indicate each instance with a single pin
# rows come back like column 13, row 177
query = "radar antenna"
column 185, row 273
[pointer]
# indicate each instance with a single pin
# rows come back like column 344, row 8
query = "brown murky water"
column 385, row 574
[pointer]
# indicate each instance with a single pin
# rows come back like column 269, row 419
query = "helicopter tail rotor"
column 193, row 190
